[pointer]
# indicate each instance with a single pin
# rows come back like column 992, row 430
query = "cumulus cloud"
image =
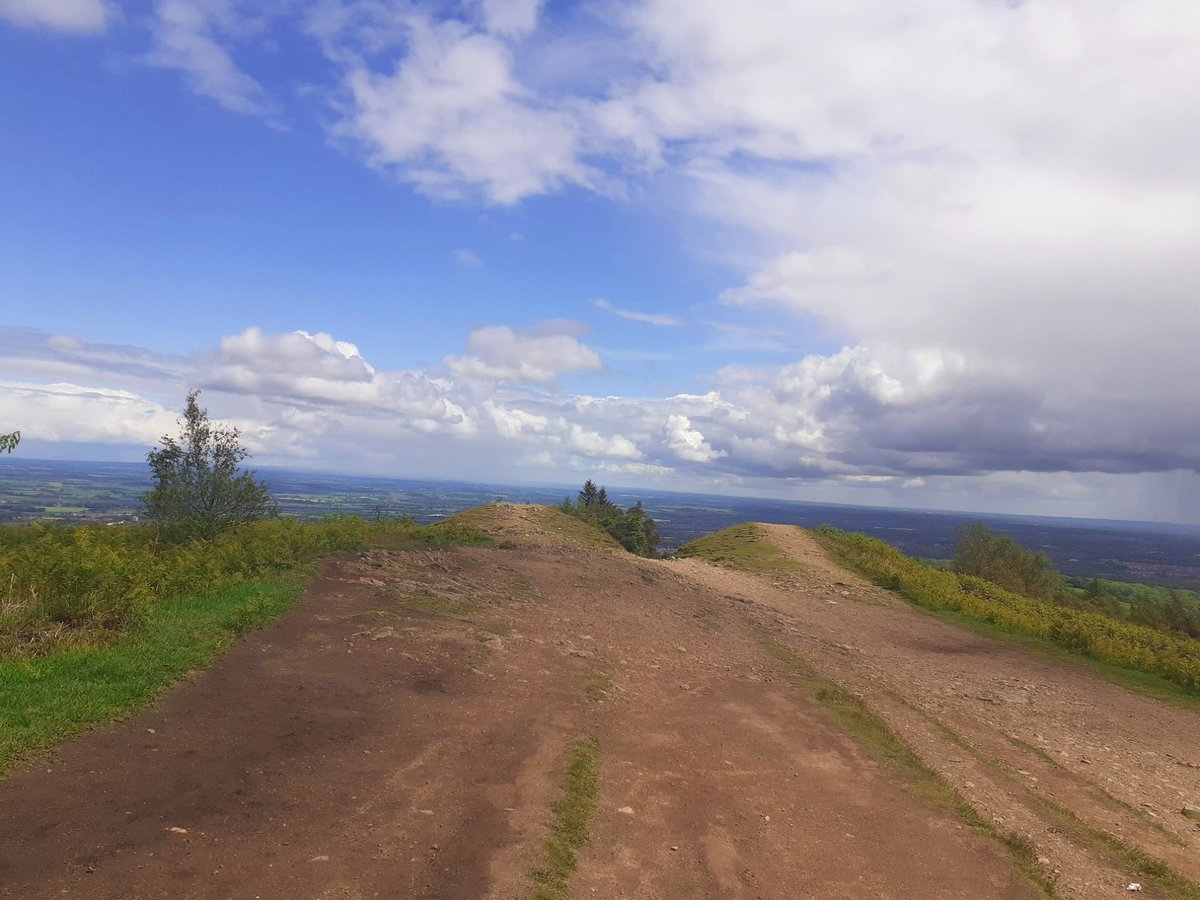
column 79, row 16
column 991, row 206
column 498, row 353
column 329, row 375
column 870, row 420
column 297, row 366
column 1007, row 181
column 687, row 443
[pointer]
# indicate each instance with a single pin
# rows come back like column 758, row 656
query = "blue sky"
column 941, row 257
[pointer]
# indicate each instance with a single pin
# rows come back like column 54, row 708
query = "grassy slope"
column 745, row 547
column 52, row 697
column 500, row 519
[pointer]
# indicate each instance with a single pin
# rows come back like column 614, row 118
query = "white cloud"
column 73, row 413
column 804, row 280
column 298, row 365
column 930, row 424
column 1006, row 181
column 331, row 377
column 593, row 444
column 57, row 357
column 511, row 18
column 452, row 118
column 187, row 37
column 511, row 422
column 498, row 353
column 635, row 316
column 467, row 259
column 687, row 443
column 80, row 16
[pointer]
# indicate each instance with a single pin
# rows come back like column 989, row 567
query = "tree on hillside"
column 632, row 528
column 636, row 532
column 8, row 442
column 199, row 488
column 1001, row 560
column 589, row 495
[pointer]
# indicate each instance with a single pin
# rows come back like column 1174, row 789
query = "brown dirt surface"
column 404, row 731
column 1040, row 745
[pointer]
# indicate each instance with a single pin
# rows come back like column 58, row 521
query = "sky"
column 942, row 254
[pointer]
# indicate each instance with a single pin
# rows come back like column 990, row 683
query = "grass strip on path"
column 851, row 714
column 1154, row 872
column 48, row 698
column 572, row 824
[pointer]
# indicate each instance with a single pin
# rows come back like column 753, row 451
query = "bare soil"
column 404, row 731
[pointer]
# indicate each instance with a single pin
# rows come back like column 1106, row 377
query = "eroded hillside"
column 452, row 723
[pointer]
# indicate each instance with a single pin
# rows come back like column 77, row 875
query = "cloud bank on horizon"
column 956, row 245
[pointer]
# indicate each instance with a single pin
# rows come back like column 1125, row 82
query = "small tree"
column 632, row 528
column 1002, row 561
column 198, row 488
column 8, row 442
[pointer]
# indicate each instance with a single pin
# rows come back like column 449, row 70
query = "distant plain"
column 1156, row 553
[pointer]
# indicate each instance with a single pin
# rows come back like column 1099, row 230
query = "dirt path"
column 403, row 733
column 1041, row 746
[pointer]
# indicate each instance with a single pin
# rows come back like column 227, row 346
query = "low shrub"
column 61, row 585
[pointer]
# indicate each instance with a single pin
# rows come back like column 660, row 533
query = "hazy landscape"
column 1154, row 553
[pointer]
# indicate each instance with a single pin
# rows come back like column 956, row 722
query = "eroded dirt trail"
column 403, row 734
column 1042, row 747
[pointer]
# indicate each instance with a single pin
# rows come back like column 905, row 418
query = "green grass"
column 495, row 519
column 1154, row 872
column 95, row 622
column 1097, row 790
column 572, row 823
column 851, row 714
column 440, row 536
column 48, row 698
column 598, row 687
column 744, row 547
column 64, row 587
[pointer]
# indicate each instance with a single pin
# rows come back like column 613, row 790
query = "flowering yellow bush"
column 1123, row 644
